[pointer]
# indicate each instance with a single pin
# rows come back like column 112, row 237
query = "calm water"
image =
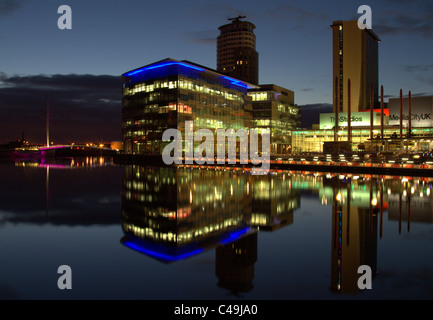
column 158, row 233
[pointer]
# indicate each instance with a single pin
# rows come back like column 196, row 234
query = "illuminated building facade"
column 354, row 240
column 168, row 93
column 355, row 56
column 274, row 200
column 274, row 108
column 421, row 112
column 236, row 51
column 172, row 213
column 420, row 139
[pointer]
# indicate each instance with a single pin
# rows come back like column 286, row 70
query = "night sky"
column 79, row 69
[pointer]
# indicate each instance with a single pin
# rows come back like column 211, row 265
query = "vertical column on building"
column 336, row 111
column 349, row 115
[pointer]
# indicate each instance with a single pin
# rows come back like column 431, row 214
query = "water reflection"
column 234, row 264
column 222, row 233
column 60, row 191
column 354, row 232
column 172, row 214
column 66, row 163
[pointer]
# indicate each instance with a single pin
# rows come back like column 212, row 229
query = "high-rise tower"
column 236, row 50
column 355, row 57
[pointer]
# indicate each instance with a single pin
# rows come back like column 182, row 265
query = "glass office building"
column 274, row 108
column 167, row 93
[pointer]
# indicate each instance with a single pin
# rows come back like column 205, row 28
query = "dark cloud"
column 417, row 68
column 428, row 81
column 9, row 6
column 316, row 107
column 307, row 89
column 82, row 108
column 203, row 37
column 422, row 94
column 212, row 10
column 289, row 12
column 310, row 113
column 419, row 4
column 406, row 95
column 415, row 22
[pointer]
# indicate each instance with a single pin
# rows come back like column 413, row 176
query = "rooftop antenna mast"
column 237, row 18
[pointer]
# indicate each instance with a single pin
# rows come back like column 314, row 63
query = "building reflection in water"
column 174, row 213
column 354, row 232
column 274, row 199
column 171, row 213
column 234, row 264
column 358, row 208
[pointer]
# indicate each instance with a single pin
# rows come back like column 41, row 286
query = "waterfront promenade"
column 303, row 163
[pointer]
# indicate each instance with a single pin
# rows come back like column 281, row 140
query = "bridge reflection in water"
column 175, row 213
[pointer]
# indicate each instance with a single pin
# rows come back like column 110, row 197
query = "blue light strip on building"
column 235, row 235
column 236, row 82
column 232, row 81
column 160, row 255
column 162, row 65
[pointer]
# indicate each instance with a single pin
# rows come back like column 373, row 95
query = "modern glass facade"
column 274, row 108
column 168, row 93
